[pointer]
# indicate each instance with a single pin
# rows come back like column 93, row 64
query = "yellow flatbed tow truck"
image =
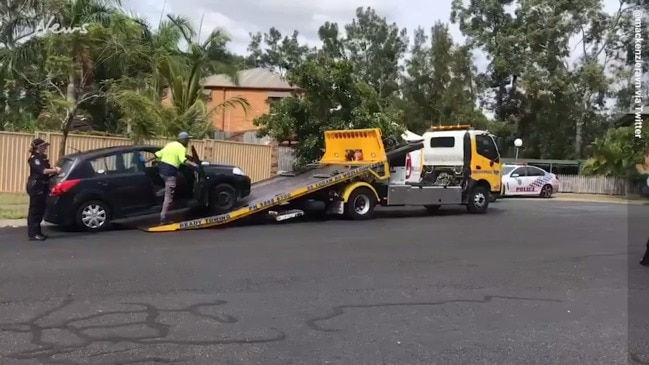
column 351, row 178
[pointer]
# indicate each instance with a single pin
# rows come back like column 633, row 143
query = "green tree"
column 375, row 47
column 274, row 52
column 440, row 87
column 532, row 69
column 334, row 97
column 180, row 73
column 617, row 153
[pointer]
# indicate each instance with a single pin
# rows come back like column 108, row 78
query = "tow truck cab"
column 454, row 153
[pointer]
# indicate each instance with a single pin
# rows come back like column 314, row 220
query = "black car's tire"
column 360, row 205
column 223, row 198
column 93, row 216
column 478, row 200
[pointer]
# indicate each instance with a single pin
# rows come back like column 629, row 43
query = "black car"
column 98, row 187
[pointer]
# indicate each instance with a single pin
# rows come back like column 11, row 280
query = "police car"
column 521, row 179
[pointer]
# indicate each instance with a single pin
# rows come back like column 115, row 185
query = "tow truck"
column 354, row 176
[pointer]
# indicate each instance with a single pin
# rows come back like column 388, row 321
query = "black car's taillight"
column 63, row 187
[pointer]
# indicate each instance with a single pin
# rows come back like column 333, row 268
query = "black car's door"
column 184, row 180
column 124, row 183
column 156, row 184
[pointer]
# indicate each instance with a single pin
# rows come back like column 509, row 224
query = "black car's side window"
column 131, row 162
column 148, row 158
column 121, row 163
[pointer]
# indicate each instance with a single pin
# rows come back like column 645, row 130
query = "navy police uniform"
column 37, row 189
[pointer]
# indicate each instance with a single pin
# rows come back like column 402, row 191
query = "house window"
column 274, row 99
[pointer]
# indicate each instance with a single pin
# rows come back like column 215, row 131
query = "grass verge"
column 13, row 205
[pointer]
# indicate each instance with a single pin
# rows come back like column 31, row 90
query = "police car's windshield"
column 508, row 169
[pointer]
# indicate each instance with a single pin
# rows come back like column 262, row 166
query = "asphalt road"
column 532, row 282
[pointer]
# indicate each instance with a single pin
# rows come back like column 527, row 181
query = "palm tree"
column 179, row 73
column 70, row 58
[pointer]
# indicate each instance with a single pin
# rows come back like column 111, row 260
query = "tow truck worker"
column 170, row 157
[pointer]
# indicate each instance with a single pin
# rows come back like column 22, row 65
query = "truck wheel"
column 223, row 198
column 93, row 216
column 478, row 200
column 360, row 205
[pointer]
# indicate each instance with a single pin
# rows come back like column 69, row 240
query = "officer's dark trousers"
column 37, row 203
column 645, row 259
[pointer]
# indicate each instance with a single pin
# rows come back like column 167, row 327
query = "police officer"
column 40, row 172
column 170, row 157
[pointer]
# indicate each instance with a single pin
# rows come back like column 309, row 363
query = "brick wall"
column 235, row 119
column 274, row 159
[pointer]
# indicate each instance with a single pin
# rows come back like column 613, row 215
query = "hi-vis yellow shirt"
column 174, row 154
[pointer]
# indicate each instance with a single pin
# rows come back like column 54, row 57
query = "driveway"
column 532, row 282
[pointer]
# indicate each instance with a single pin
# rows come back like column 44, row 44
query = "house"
column 259, row 86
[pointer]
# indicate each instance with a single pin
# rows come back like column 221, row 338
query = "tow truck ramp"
column 348, row 155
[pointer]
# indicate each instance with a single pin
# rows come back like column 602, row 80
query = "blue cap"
column 184, row 135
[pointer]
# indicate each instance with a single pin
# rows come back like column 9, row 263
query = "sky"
column 242, row 17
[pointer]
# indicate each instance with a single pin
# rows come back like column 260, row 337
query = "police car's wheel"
column 93, row 216
column 223, row 198
column 478, row 200
column 546, row 191
column 360, row 204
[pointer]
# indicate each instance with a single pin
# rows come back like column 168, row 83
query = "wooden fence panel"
column 254, row 159
column 606, row 185
column 285, row 158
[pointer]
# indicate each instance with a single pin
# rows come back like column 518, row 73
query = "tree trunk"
column 579, row 137
column 71, row 97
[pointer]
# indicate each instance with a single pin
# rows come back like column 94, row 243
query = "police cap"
column 38, row 142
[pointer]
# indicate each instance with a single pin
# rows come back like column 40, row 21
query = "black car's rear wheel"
column 93, row 216
column 223, row 198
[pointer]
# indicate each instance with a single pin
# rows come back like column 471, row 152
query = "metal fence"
column 254, row 159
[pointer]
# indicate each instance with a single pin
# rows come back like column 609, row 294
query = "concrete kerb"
column 6, row 223
column 590, row 198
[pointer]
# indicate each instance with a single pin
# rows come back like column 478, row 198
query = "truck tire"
column 360, row 205
column 223, row 198
column 478, row 200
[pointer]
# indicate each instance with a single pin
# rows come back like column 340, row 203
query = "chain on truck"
column 361, row 170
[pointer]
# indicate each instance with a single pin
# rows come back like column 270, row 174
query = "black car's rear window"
column 66, row 165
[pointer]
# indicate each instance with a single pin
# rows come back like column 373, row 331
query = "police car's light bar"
column 451, row 127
